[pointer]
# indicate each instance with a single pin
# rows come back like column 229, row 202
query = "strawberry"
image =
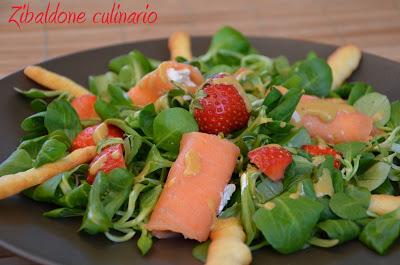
column 84, row 106
column 272, row 160
column 85, row 137
column 114, row 132
column 221, row 105
column 109, row 158
column 316, row 150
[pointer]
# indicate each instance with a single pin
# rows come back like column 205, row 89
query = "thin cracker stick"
column 54, row 81
column 343, row 61
column 227, row 244
column 179, row 45
column 381, row 204
column 15, row 183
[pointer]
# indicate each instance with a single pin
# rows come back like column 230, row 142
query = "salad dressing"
column 324, row 184
column 170, row 182
column 269, row 205
column 192, row 163
column 115, row 155
column 100, row 133
column 378, row 116
column 97, row 165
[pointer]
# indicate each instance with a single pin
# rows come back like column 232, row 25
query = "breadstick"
column 382, row 204
column 343, row 61
column 54, row 81
column 15, row 183
column 179, row 45
column 227, row 244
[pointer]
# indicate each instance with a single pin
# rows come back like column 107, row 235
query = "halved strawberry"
column 114, row 132
column 84, row 106
column 316, row 150
column 85, row 137
column 109, row 158
column 221, row 105
column 272, row 160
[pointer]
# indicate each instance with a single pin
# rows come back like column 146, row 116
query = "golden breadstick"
column 343, row 61
column 54, row 81
column 381, row 204
column 15, row 183
column 227, row 244
column 179, row 45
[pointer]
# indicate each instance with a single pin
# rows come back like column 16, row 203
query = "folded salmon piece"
column 332, row 119
column 192, row 193
column 346, row 127
column 160, row 81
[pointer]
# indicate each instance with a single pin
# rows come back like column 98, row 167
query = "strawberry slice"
column 84, row 106
column 114, row 132
column 109, row 158
column 221, row 106
column 86, row 136
column 272, row 160
column 316, row 150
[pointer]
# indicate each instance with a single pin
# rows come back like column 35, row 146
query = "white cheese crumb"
column 226, row 196
column 243, row 182
column 180, row 76
column 296, row 117
column 187, row 97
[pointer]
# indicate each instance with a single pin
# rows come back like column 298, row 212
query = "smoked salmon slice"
column 192, row 193
column 331, row 119
column 158, row 82
column 346, row 127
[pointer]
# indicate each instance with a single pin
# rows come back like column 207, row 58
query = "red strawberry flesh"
column 85, row 137
column 84, row 106
column 109, row 158
column 316, row 150
column 272, row 160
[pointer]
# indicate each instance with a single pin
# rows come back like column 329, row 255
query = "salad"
column 231, row 148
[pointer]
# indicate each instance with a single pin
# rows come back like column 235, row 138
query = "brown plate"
column 24, row 230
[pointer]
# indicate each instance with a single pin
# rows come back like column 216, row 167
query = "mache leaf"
column 108, row 193
column 18, row 161
column 169, row 126
column 288, row 224
column 374, row 176
column 52, row 150
column 380, row 233
column 61, row 116
column 316, row 76
column 375, row 105
column 342, row 230
column 351, row 204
